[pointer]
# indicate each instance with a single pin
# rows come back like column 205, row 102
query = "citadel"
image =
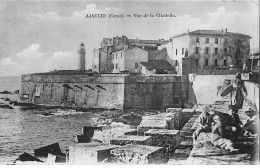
column 142, row 74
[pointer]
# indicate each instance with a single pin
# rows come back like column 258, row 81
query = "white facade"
column 129, row 60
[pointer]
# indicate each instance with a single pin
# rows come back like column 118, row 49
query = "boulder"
column 82, row 139
column 44, row 151
column 131, row 139
column 27, row 157
column 56, row 158
column 89, row 153
column 140, row 154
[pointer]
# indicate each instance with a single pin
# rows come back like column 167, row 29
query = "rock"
column 131, row 132
column 89, row 130
column 109, row 132
column 16, row 92
column 158, row 121
column 131, row 139
column 169, row 139
column 5, row 92
column 89, row 153
column 55, row 158
column 140, row 154
column 82, row 139
column 27, row 157
column 47, row 114
column 5, row 106
column 43, row 151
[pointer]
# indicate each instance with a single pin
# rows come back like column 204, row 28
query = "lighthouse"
column 82, row 53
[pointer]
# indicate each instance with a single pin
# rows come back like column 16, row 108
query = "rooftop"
column 67, row 72
column 159, row 42
column 158, row 64
column 214, row 33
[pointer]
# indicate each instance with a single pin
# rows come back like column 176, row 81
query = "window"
column 225, row 62
column 176, row 51
column 136, row 65
column 207, row 40
column 197, row 40
column 197, row 62
column 121, row 55
column 216, row 62
column 182, row 52
column 207, row 50
column 116, row 56
column 216, row 50
column 116, row 66
column 197, row 50
column 176, row 63
column 216, row 40
column 206, row 62
column 113, row 56
column 225, row 50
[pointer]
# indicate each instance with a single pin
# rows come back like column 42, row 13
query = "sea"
column 25, row 130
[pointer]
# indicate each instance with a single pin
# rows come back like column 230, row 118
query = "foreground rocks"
column 140, row 154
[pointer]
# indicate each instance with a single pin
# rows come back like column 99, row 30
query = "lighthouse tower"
column 82, row 53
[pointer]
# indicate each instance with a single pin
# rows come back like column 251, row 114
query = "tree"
column 237, row 49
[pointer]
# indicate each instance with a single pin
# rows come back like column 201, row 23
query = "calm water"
column 24, row 131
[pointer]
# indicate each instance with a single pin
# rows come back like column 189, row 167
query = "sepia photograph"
column 95, row 82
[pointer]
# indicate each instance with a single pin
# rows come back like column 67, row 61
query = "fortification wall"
column 105, row 91
column 74, row 90
column 155, row 92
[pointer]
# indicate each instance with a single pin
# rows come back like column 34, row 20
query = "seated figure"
column 205, row 120
column 251, row 125
column 233, row 127
column 218, row 136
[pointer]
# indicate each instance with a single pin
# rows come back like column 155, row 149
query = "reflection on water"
column 24, row 131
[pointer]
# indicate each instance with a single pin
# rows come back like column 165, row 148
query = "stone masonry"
column 131, row 139
column 169, row 139
column 140, row 154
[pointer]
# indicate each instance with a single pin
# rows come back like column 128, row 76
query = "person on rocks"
column 205, row 120
column 218, row 136
column 233, row 124
column 251, row 125
column 237, row 98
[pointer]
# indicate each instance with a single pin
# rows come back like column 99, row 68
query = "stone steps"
column 182, row 153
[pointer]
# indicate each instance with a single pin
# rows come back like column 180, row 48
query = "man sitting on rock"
column 218, row 136
column 251, row 125
column 233, row 124
column 205, row 121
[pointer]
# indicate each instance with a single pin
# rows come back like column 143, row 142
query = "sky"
column 40, row 36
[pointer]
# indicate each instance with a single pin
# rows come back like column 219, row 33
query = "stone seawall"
column 105, row 90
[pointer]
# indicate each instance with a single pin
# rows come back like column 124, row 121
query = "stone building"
column 129, row 59
column 102, row 61
column 208, row 49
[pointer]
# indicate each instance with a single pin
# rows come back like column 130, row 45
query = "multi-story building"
column 102, row 61
column 129, row 59
column 208, row 49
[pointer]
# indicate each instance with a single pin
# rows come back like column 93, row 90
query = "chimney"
column 188, row 31
column 222, row 30
column 226, row 30
column 82, row 53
